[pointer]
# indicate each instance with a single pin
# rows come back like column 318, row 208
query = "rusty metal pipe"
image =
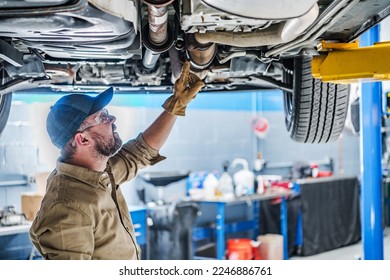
column 157, row 35
column 201, row 55
column 158, row 24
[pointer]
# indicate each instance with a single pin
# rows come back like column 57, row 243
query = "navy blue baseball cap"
column 69, row 112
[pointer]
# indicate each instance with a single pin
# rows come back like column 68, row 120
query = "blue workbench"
column 222, row 228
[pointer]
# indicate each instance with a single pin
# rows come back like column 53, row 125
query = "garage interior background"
column 217, row 128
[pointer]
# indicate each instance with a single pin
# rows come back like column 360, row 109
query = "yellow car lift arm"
column 349, row 63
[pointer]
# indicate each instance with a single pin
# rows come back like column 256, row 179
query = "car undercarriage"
column 85, row 46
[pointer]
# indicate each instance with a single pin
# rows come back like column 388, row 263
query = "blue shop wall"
column 217, row 127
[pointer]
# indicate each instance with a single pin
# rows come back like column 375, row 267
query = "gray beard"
column 106, row 147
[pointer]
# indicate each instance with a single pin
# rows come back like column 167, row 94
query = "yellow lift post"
column 349, row 63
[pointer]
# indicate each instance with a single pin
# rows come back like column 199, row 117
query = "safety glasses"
column 103, row 117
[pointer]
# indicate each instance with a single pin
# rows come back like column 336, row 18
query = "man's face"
column 107, row 145
column 102, row 130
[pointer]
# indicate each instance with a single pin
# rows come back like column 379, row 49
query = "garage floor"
column 352, row 252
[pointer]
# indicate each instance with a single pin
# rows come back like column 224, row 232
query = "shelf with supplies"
column 10, row 179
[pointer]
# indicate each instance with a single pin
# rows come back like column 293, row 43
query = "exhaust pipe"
column 157, row 36
column 200, row 55
column 273, row 35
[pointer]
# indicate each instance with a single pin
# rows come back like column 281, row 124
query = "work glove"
column 185, row 89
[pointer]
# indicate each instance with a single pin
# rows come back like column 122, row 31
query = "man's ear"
column 81, row 140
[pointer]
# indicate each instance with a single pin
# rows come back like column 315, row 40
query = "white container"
column 244, row 180
column 225, row 185
column 271, row 247
column 260, row 184
column 210, row 185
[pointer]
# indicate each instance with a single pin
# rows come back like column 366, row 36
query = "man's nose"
column 112, row 119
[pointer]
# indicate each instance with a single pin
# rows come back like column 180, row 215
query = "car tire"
column 5, row 108
column 315, row 111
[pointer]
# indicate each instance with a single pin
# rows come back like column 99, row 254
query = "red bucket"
column 241, row 249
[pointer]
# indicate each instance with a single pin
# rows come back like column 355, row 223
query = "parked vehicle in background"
column 84, row 46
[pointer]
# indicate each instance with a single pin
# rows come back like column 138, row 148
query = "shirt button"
column 109, row 186
column 104, row 175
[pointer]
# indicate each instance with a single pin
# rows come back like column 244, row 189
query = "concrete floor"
column 352, row 252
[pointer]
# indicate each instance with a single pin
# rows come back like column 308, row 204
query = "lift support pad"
column 349, row 63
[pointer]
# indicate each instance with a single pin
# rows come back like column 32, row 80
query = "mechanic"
column 83, row 214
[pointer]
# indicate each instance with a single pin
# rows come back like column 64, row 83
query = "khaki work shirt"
column 78, row 217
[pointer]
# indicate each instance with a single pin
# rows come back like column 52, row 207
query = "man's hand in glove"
column 186, row 88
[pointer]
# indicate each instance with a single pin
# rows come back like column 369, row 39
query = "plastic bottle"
column 210, row 184
column 259, row 163
column 195, row 184
column 260, row 184
column 244, row 179
column 225, row 183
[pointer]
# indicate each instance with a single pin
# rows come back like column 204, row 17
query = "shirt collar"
column 82, row 174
